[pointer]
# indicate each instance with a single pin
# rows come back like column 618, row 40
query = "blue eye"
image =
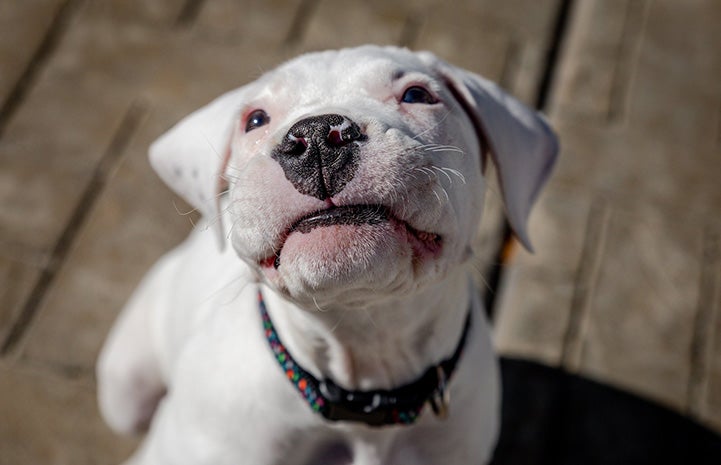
column 256, row 119
column 417, row 94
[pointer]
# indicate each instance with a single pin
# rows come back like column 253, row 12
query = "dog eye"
column 257, row 119
column 417, row 94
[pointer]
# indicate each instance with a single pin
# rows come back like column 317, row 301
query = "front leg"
column 130, row 383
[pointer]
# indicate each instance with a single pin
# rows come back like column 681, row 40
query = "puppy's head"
column 356, row 173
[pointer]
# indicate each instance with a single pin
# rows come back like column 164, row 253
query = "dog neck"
column 379, row 346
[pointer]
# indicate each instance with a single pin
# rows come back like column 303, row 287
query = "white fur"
column 356, row 304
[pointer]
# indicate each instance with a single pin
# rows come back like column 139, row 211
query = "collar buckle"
column 440, row 398
column 370, row 407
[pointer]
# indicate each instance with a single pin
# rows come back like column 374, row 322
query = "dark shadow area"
column 553, row 417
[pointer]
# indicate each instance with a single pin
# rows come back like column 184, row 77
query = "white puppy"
column 341, row 326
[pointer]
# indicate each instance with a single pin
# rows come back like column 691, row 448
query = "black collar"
column 401, row 405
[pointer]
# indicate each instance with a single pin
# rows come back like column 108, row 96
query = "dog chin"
column 345, row 263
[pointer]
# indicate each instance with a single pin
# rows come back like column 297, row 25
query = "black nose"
column 319, row 155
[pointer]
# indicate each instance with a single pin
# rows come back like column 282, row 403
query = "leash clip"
column 440, row 398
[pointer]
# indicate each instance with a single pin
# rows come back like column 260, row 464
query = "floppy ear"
column 521, row 143
column 192, row 156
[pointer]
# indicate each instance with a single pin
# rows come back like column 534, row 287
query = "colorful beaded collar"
column 400, row 406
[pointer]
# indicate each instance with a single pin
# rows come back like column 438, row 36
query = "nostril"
column 298, row 147
column 295, row 145
column 335, row 138
column 342, row 136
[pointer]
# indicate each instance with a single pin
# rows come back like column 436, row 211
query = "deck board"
column 639, row 142
column 53, row 419
column 23, row 28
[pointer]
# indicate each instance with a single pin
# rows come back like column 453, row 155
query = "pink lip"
column 424, row 244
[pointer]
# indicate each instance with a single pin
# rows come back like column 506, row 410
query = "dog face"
column 355, row 174
column 366, row 180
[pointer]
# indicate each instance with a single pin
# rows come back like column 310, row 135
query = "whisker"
column 428, row 172
column 318, row 306
column 239, row 278
column 479, row 273
column 212, row 147
column 445, row 148
column 449, row 148
column 340, row 320
column 181, row 213
column 445, row 192
column 444, row 173
column 456, row 173
column 437, row 196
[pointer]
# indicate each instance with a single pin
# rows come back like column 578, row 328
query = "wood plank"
column 374, row 21
column 635, row 108
column 642, row 311
column 505, row 42
column 451, row 35
column 264, row 23
column 52, row 146
column 604, row 36
column 149, row 12
column 23, row 26
column 705, row 394
column 537, row 295
column 133, row 222
column 674, row 89
column 53, row 420
column 16, row 283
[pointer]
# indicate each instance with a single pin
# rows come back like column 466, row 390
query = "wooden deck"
column 625, row 287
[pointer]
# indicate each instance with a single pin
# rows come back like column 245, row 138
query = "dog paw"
column 128, row 397
column 128, row 407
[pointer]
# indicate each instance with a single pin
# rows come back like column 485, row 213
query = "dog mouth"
column 423, row 243
column 350, row 215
